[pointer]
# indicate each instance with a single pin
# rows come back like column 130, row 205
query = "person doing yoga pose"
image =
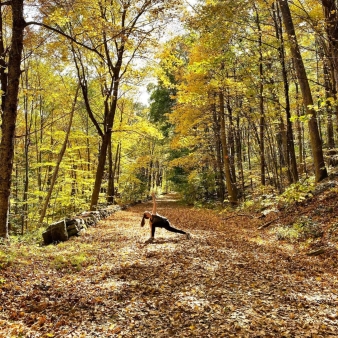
column 158, row 221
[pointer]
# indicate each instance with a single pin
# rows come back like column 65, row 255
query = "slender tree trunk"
column 231, row 186
column 261, row 102
column 38, row 141
column 110, row 189
column 10, row 113
column 111, row 183
column 299, row 132
column 248, row 142
column 331, row 25
column 150, row 171
column 231, row 143
column 118, row 168
column 329, row 93
column 291, row 154
column 273, row 163
column 26, row 180
column 238, row 142
column 60, row 156
column 316, row 145
column 219, row 171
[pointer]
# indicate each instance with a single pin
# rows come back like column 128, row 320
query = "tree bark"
column 10, row 113
column 316, row 145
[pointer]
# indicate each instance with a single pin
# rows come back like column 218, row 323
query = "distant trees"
column 316, row 143
column 114, row 34
column 246, row 84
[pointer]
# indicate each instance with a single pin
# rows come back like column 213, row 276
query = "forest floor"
column 229, row 280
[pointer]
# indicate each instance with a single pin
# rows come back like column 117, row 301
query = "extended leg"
column 172, row 229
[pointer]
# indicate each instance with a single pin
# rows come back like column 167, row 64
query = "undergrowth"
column 303, row 229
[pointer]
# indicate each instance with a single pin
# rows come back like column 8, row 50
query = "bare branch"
column 6, row 3
column 66, row 36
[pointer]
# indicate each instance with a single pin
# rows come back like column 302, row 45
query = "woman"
column 158, row 221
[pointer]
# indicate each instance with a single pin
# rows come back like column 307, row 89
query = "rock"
column 56, row 232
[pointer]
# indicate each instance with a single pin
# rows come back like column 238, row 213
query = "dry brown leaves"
column 229, row 280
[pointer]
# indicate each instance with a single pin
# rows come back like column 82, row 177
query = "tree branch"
column 9, row 3
column 65, row 35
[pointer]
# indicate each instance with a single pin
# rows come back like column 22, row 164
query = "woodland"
column 234, row 105
column 227, row 109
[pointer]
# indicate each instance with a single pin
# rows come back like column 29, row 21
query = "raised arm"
column 154, row 203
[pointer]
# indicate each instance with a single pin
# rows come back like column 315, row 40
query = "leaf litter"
column 226, row 281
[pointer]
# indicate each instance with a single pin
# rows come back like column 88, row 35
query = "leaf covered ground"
column 229, row 280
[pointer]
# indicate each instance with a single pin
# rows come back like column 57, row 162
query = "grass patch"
column 7, row 257
column 71, row 262
column 15, row 253
column 71, row 256
column 304, row 229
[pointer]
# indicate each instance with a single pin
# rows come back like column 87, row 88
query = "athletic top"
column 158, row 220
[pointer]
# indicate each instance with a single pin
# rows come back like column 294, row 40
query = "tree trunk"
column 219, row 171
column 110, row 189
column 100, row 171
column 290, row 151
column 111, row 183
column 3, row 68
column 329, row 93
column 316, row 145
column 232, row 190
column 10, row 113
column 331, row 25
column 60, row 156
column 231, row 143
column 238, row 142
column 24, row 213
column 261, row 103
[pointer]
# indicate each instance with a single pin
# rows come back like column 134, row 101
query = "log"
column 236, row 215
column 265, row 225
column 317, row 252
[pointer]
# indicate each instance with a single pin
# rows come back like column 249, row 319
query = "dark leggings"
column 166, row 225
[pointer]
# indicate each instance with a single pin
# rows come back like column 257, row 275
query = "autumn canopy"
column 103, row 101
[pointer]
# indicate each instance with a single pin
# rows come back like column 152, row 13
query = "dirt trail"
column 229, row 280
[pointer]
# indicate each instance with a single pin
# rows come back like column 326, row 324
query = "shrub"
column 301, row 230
column 297, row 192
column 6, row 258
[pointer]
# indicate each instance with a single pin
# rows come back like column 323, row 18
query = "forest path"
column 228, row 280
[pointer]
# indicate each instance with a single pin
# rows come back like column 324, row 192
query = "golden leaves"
column 219, row 283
